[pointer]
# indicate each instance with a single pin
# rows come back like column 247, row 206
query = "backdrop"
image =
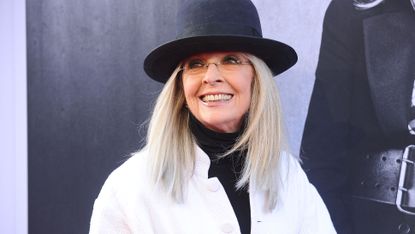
column 88, row 95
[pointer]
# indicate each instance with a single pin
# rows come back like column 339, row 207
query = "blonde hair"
column 171, row 145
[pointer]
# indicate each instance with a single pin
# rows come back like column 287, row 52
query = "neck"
column 212, row 142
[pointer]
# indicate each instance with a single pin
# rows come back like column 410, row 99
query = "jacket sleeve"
column 107, row 215
column 327, row 133
column 315, row 217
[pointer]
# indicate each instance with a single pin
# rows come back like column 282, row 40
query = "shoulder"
column 303, row 199
column 123, row 194
column 133, row 173
column 133, row 165
column 290, row 169
column 289, row 163
column 293, row 177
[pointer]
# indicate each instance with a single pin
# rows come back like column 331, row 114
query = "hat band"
column 219, row 29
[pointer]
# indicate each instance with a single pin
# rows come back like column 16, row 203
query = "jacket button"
column 404, row 228
column 227, row 228
column 213, row 185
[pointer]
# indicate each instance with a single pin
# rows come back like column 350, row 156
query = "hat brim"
column 161, row 62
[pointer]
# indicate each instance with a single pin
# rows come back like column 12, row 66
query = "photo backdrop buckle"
column 402, row 176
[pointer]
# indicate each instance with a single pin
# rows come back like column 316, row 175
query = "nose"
column 212, row 75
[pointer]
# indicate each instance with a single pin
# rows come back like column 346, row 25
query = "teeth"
column 216, row 97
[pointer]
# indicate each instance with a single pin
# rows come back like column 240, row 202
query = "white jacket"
column 127, row 204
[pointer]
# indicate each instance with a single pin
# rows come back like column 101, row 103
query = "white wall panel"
column 299, row 24
column 13, row 118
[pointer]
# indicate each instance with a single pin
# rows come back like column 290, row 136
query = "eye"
column 231, row 59
column 195, row 63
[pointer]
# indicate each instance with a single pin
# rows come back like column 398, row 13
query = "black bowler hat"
column 217, row 25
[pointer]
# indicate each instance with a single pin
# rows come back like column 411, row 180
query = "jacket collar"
column 390, row 55
column 202, row 163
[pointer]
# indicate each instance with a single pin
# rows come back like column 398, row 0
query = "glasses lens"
column 229, row 67
column 228, row 64
column 194, row 67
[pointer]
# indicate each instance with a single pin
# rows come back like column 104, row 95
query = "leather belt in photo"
column 387, row 177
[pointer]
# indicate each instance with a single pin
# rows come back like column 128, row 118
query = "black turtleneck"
column 227, row 169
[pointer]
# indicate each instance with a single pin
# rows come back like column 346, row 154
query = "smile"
column 216, row 97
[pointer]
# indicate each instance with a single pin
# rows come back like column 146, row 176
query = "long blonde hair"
column 171, row 145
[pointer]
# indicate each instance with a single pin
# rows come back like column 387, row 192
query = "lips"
column 216, row 97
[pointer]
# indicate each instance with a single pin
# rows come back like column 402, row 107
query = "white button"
column 227, row 228
column 213, row 185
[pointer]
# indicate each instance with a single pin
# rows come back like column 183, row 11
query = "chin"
column 221, row 125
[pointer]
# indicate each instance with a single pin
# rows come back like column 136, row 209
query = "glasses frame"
column 218, row 65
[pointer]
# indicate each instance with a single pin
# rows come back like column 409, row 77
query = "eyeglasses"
column 228, row 64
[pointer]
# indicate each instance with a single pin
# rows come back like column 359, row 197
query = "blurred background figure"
column 356, row 143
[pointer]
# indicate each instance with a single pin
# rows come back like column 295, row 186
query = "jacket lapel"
column 389, row 41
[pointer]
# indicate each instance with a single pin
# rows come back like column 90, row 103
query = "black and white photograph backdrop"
column 75, row 99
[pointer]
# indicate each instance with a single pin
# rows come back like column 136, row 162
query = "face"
column 218, row 95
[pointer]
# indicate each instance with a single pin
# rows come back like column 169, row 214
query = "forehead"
column 215, row 54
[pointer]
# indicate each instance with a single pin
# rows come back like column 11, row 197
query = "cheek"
column 247, row 93
column 190, row 90
column 247, row 101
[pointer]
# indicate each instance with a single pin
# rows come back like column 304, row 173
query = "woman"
column 213, row 161
column 357, row 125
